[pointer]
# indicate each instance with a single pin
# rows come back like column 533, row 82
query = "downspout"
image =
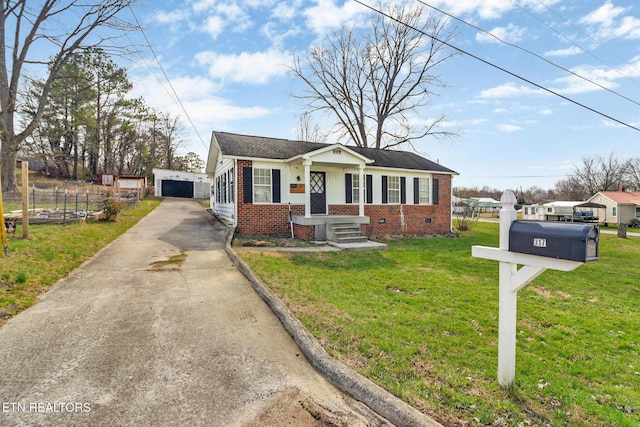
column 451, row 205
column 236, row 191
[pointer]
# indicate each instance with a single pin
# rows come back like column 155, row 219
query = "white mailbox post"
column 512, row 280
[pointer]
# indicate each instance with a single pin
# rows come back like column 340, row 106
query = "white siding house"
column 260, row 185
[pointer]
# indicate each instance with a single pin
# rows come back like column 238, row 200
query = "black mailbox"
column 574, row 242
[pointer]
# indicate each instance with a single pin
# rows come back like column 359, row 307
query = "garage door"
column 172, row 188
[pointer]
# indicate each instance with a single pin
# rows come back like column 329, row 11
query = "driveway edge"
column 344, row 378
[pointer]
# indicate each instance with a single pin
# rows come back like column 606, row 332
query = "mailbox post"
column 513, row 279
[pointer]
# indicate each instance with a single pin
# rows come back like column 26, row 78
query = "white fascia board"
column 409, row 171
column 310, row 154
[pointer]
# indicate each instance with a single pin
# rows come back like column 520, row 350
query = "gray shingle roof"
column 246, row 146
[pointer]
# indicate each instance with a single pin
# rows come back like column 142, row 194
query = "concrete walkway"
column 130, row 339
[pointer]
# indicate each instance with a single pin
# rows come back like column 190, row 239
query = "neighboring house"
column 487, row 205
column 562, row 211
column 191, row 185
column 621, row 206
column 257, row 181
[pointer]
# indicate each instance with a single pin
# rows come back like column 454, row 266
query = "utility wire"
column 475, row 27
column 164, row 73
column 504, row 70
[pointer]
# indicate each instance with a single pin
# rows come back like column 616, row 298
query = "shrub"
column 110, row 209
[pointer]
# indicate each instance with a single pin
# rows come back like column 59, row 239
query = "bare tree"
column 600, row 174
column 374, row 84
column 308, row 131
column 27, row 29
column 632, row 177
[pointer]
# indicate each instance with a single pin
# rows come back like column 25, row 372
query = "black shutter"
column 275, row 186
column 436, row 191
column 348, row 185
column 247, row 185
column 416, row 191
column 369, row 188
column 403, row 190
column 385, row 189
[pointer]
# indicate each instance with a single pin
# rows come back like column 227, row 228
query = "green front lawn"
column 421, row 320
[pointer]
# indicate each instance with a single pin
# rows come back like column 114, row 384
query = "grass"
column 421, row 320
column 53, row 251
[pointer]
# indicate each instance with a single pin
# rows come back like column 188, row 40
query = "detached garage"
column 168, row 183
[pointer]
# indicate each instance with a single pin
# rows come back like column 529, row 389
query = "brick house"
column 260, row 184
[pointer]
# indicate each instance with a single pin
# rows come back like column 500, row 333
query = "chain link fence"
column 54, row 201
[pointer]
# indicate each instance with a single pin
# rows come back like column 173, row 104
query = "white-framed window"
column 224, row 188
column 355, row 188
column 261, row 185
column 393, row 189
column 230, row 186
column 424, row 195
column 614, row 210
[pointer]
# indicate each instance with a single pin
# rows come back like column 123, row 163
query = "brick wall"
column 259, row 218
column 419, row 220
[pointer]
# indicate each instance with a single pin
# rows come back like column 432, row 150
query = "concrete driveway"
column 132, row 338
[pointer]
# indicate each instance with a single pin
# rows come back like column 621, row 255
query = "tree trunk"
column 8, row 159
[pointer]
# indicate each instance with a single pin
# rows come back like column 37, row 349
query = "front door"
column 318, row 193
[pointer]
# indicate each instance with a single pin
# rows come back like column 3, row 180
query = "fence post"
column 64, row 210
column 25, row 199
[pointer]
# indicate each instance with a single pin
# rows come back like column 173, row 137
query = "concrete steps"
column 345, row 233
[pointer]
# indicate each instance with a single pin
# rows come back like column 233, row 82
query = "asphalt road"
column 132, row 339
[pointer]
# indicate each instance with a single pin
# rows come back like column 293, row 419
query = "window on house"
column 549, row 210
column 638, row 213
column 423, row 189
column 526, row 211
column 230, row 186
column 393, row 189
column 355, row 188
column 261, row 185
column 614, row 211
column 224, row 188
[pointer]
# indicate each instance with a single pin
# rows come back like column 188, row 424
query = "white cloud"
column 214, row 26
column 203, row 5
column 172, row 17
column 509, row 90
column 607, row 78
column 327, row 15
column 546, row 112
column 253, row 68
column 604, row 15
column 509, row 128
column 510, row 34
column 610, row 23
column 573, row 50
column 286, row 11
column 487, row 9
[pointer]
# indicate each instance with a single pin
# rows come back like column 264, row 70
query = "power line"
column 164, row 73
column 529, row 52
column 504, row 70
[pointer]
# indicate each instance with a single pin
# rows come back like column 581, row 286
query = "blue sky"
column 227, row 61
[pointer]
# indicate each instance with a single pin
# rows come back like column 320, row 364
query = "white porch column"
column 307, row 187
column 362, row 192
